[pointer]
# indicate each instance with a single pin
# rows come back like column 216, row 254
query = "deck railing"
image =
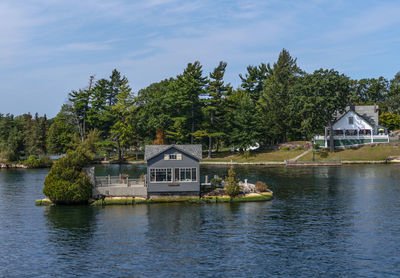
column 341, row 137
column 106, row 181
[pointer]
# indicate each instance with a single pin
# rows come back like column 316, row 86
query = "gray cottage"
column 173, row 169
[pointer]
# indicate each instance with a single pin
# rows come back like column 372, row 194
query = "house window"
column 351, row 120
column 161, row 175
column 173, row 156
column 185, row 174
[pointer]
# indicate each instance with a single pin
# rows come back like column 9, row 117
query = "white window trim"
column 179, row 181
column 172, row 175
column 178, row 156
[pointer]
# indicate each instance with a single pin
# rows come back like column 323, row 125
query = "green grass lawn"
column 269, row 155
column 364, row 153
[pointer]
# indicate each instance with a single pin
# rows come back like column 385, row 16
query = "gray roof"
column 367, row 112
column 151, row 151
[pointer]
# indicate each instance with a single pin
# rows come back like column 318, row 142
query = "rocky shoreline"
column 13, row 166
column 251, row 197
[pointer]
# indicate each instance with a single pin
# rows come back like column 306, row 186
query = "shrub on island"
column 231, row 183
column 66, row 183
column 261, row 187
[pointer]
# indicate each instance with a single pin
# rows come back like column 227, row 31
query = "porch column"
column 358, row 134
column 326, row 137
column 344, row 133
column 372, row 136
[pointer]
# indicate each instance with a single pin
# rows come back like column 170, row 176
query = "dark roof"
column 151, row 151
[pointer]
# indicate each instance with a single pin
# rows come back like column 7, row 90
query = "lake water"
column 323, row 222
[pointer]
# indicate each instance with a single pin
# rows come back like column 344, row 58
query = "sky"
column 50, row 47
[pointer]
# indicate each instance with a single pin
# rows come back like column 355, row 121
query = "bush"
column 284, row 148
column 299, row 148
column 216, row 181
column 7, row 156
column 231, row 183
column 66, row 182
column 261, row 187
column 32, row 162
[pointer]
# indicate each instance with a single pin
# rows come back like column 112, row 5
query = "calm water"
column 323, row 222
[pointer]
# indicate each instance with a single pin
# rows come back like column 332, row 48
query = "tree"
column 322, row 94
column 61, row 131
column 214, row 110
column 392, row 101
column 390, row 120
column 123, row 130
column 80, row 107
column 188, row 88
column 243, row 121
column 274, row 108
column 66, row 182
column 254, row 81
column 155, row 109
column 231, row 183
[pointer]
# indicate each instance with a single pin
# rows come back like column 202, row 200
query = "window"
column 351, row 120
column 161, row 175
column 185, row 174
column 174, row 156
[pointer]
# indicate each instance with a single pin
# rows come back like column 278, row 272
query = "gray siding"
column 183, row 187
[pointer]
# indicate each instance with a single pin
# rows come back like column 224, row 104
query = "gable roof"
column 355, row 114
column 151, row 151
column 368, row 113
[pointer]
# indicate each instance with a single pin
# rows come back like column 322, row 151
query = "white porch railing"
column 341, row 137
column 105, row 181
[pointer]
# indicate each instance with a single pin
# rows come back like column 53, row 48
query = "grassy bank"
column 268, row 155
column 253, row 197
column 364, row 153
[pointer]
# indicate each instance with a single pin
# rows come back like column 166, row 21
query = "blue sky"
column 50, row 47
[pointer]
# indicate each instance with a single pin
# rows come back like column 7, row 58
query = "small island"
column 173, row 175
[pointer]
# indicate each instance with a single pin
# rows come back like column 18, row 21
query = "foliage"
column 216, row 182
column 261, row 187
column 66, row 182
column 231, row 183
column 243, row 121
column 34, row 162
column 390, row 120
column 275, row 103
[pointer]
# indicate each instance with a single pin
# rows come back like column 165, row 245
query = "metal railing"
column 106, row 181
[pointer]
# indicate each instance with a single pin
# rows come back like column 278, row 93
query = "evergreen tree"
column 243, row 121
column 185, row 94
column 215, row 111
column 254, row 81
column 123, row 130
column 274, row 102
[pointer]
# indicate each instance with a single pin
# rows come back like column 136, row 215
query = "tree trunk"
column 119, row 151
column 191, row 136
column 331, row 139
column 209, row 137
column 209, row 146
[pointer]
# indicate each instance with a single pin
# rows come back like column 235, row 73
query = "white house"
column 358, row 125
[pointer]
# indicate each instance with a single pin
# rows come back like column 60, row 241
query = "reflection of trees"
column 71, row 226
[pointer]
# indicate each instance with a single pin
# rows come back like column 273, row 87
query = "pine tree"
column 214, row 108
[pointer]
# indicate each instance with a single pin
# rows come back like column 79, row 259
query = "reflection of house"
column 173, row 169
column 356, row 126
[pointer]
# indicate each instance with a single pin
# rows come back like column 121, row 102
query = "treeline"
column 274, row 103
column 22, row 135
